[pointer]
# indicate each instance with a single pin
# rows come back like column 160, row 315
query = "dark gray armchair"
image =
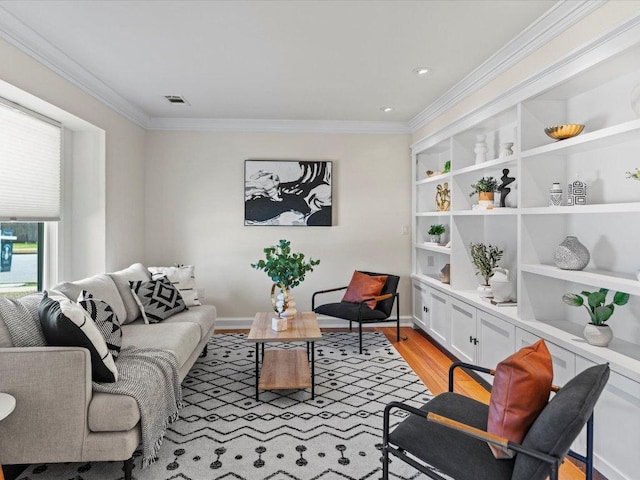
column 360, row 312
column 448, row 434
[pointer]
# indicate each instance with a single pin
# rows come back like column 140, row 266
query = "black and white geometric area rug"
column 224, row 433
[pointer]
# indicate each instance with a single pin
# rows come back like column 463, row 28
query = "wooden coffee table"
column 285, row 369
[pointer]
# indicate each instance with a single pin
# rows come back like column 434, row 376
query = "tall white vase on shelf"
column 481, row 149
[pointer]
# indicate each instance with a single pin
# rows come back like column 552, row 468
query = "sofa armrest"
column 52, row 387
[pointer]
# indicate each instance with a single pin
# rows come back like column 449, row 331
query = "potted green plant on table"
column 436, row 231
column 484, row 188
column 485, row 258
column 287, row 270
column 597, row 332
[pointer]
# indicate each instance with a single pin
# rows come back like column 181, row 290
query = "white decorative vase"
column 597, row 335
column 501, row 285
column 555, row 195
column 484, row 291
column 506, row 149
column 435, row 238
column 571, row 255
column 481, row 149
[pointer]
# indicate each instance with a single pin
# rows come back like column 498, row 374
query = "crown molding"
column 610, row 43
column 555, row 21
column 551, row 24
column 30, row 42
column 276, row 126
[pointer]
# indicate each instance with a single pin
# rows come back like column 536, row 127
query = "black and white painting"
column 285, row 192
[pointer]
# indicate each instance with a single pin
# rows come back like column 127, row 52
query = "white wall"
column 195, row 212
column 109, row 230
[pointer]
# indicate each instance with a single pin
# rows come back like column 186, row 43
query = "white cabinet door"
column 497, row 340
column 421, row 305
column 617, row 426
column 463, row 331
column 564, row 369
column 440, row 319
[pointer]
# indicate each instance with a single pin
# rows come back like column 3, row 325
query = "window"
column 21, row 258
column 30, row 168
column 30, row 165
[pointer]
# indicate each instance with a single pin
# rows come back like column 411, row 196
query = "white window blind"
column 30, row 165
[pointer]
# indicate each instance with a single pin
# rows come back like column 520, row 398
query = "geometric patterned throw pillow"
column 157, row 299
column 183, row 278
column 105, row 319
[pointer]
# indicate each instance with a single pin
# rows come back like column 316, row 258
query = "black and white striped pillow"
column 105, row 319
column 157, row 299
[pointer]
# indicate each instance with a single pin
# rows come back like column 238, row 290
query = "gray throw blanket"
column 22, row 320
column 150, row 376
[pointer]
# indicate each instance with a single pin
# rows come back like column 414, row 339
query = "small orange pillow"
column 521, row 388
column 364, row 286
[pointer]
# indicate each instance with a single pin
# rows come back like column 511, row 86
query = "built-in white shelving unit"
column 593, row 89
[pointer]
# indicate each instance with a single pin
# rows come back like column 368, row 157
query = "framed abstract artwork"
column 287, row 192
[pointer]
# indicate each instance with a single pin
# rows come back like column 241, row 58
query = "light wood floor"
column 432, row 367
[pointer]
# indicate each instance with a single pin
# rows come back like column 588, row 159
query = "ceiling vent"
column 176, row 100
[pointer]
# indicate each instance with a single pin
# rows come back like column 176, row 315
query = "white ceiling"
column 294, row 60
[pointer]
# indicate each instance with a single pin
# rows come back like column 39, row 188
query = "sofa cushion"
column 157, row 299
column 107, row 322
column 112, row 413
column 100, row 286
column 133, row 273
column 179, row 338
column 204, row 316
column 5, row 337
column 66, row 324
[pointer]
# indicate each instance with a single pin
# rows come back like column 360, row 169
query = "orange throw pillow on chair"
column 364, row 286
column 521, row 388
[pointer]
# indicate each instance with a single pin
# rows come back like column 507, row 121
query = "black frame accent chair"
column 360, row 312
column 448, row 434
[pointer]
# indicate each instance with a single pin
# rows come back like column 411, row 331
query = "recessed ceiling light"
column 421, row 70
column 386, row 109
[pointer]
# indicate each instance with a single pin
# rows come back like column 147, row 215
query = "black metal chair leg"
column 205, row 350
column 398, row 317
column 360, row 334
column 128, row 468
column 349, row 325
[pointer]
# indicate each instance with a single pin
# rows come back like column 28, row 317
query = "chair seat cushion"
column 349, row 311
column 451, row 452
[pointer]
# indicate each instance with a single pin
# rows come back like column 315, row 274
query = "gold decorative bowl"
column 560, row 132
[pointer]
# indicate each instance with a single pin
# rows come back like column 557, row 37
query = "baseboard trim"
column 234, row 323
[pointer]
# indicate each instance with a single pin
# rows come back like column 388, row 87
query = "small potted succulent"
column 484, row 188
column 485, row 258
column 436, row 232
column 597, row 332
